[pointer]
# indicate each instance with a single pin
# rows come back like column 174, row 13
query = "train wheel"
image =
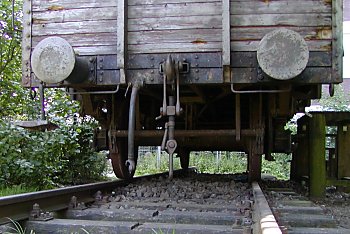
column 119, row 159
column 184, row 155
column 119, row 149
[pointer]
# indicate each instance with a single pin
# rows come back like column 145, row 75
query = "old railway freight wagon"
column 186, row 74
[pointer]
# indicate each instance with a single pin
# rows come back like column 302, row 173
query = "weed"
column 17, row 228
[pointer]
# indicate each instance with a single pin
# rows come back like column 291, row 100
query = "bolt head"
column 171, row 144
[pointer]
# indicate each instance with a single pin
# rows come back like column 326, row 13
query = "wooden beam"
column 226, row 37
column 317, row 149
column 337, row 43
column 122, row 29
column 26, row 43
column 300, row 161
column 238, row 116
column 343, row 150
column 226, row 40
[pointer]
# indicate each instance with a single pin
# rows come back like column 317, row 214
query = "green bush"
column 39, row 159
column 47, row 159
column 280, row 168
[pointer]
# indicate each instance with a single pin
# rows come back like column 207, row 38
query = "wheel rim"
column 118, row 160
column 120, row 154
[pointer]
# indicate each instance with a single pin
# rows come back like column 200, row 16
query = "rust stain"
column 55, row 8
column 327, row 2
column 324, row 33
column 39, row 21
column 199, row 41
column 326, row 48
column 321, row 33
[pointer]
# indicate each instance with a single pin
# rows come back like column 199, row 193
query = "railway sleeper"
column 166, row 216
column 296, row 214
column 179, row 206
column 93, row 226
column 318, row 231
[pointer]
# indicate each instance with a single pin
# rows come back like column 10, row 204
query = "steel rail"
column 265, row 221
column 18, row 207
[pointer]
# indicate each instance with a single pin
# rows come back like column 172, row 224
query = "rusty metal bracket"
column 75, row 205
column 99, row 200
column 38, row 214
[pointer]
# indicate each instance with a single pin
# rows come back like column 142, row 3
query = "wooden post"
column 300, row 161
column 226, row 40
column 254, row 165
column 255, row 146
column 343, row 151
column 317, row 148
column 122, row 32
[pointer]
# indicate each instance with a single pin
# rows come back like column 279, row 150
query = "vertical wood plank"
column 226, row 39
column 300, row 161
column 238, row 117
column 254, row 146
column 122, row 28
column 337, row 43
column 343, row 151
column 26, row 42
column 317, row 149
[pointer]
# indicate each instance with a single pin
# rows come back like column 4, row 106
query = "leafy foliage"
column 13, row 99
column 39, row 159
column 46, row 159
column 280, row 167
column 339, row 102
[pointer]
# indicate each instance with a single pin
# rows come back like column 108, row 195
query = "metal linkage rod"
column 130, row 163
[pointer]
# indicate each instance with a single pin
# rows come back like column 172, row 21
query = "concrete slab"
column 307, row 220
column 301, row 203
column 318, row 231
column 136, row 215
column 186, row 206
column 91, row 226
column 299, row 210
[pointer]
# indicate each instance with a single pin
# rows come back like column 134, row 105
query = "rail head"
column 265, row 222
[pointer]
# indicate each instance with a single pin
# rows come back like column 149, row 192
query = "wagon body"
column 227, row 82
column 211, row 30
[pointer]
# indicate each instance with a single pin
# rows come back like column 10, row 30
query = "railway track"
column 196, row 203
column 297, row 214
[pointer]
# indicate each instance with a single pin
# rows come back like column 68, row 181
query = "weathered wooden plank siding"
column 74, row 15
column 279, row 7
column 163, row 26
column 172, row 26
column 90, row 26
column 47, row 5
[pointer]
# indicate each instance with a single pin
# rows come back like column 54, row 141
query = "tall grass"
column 16, row 189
